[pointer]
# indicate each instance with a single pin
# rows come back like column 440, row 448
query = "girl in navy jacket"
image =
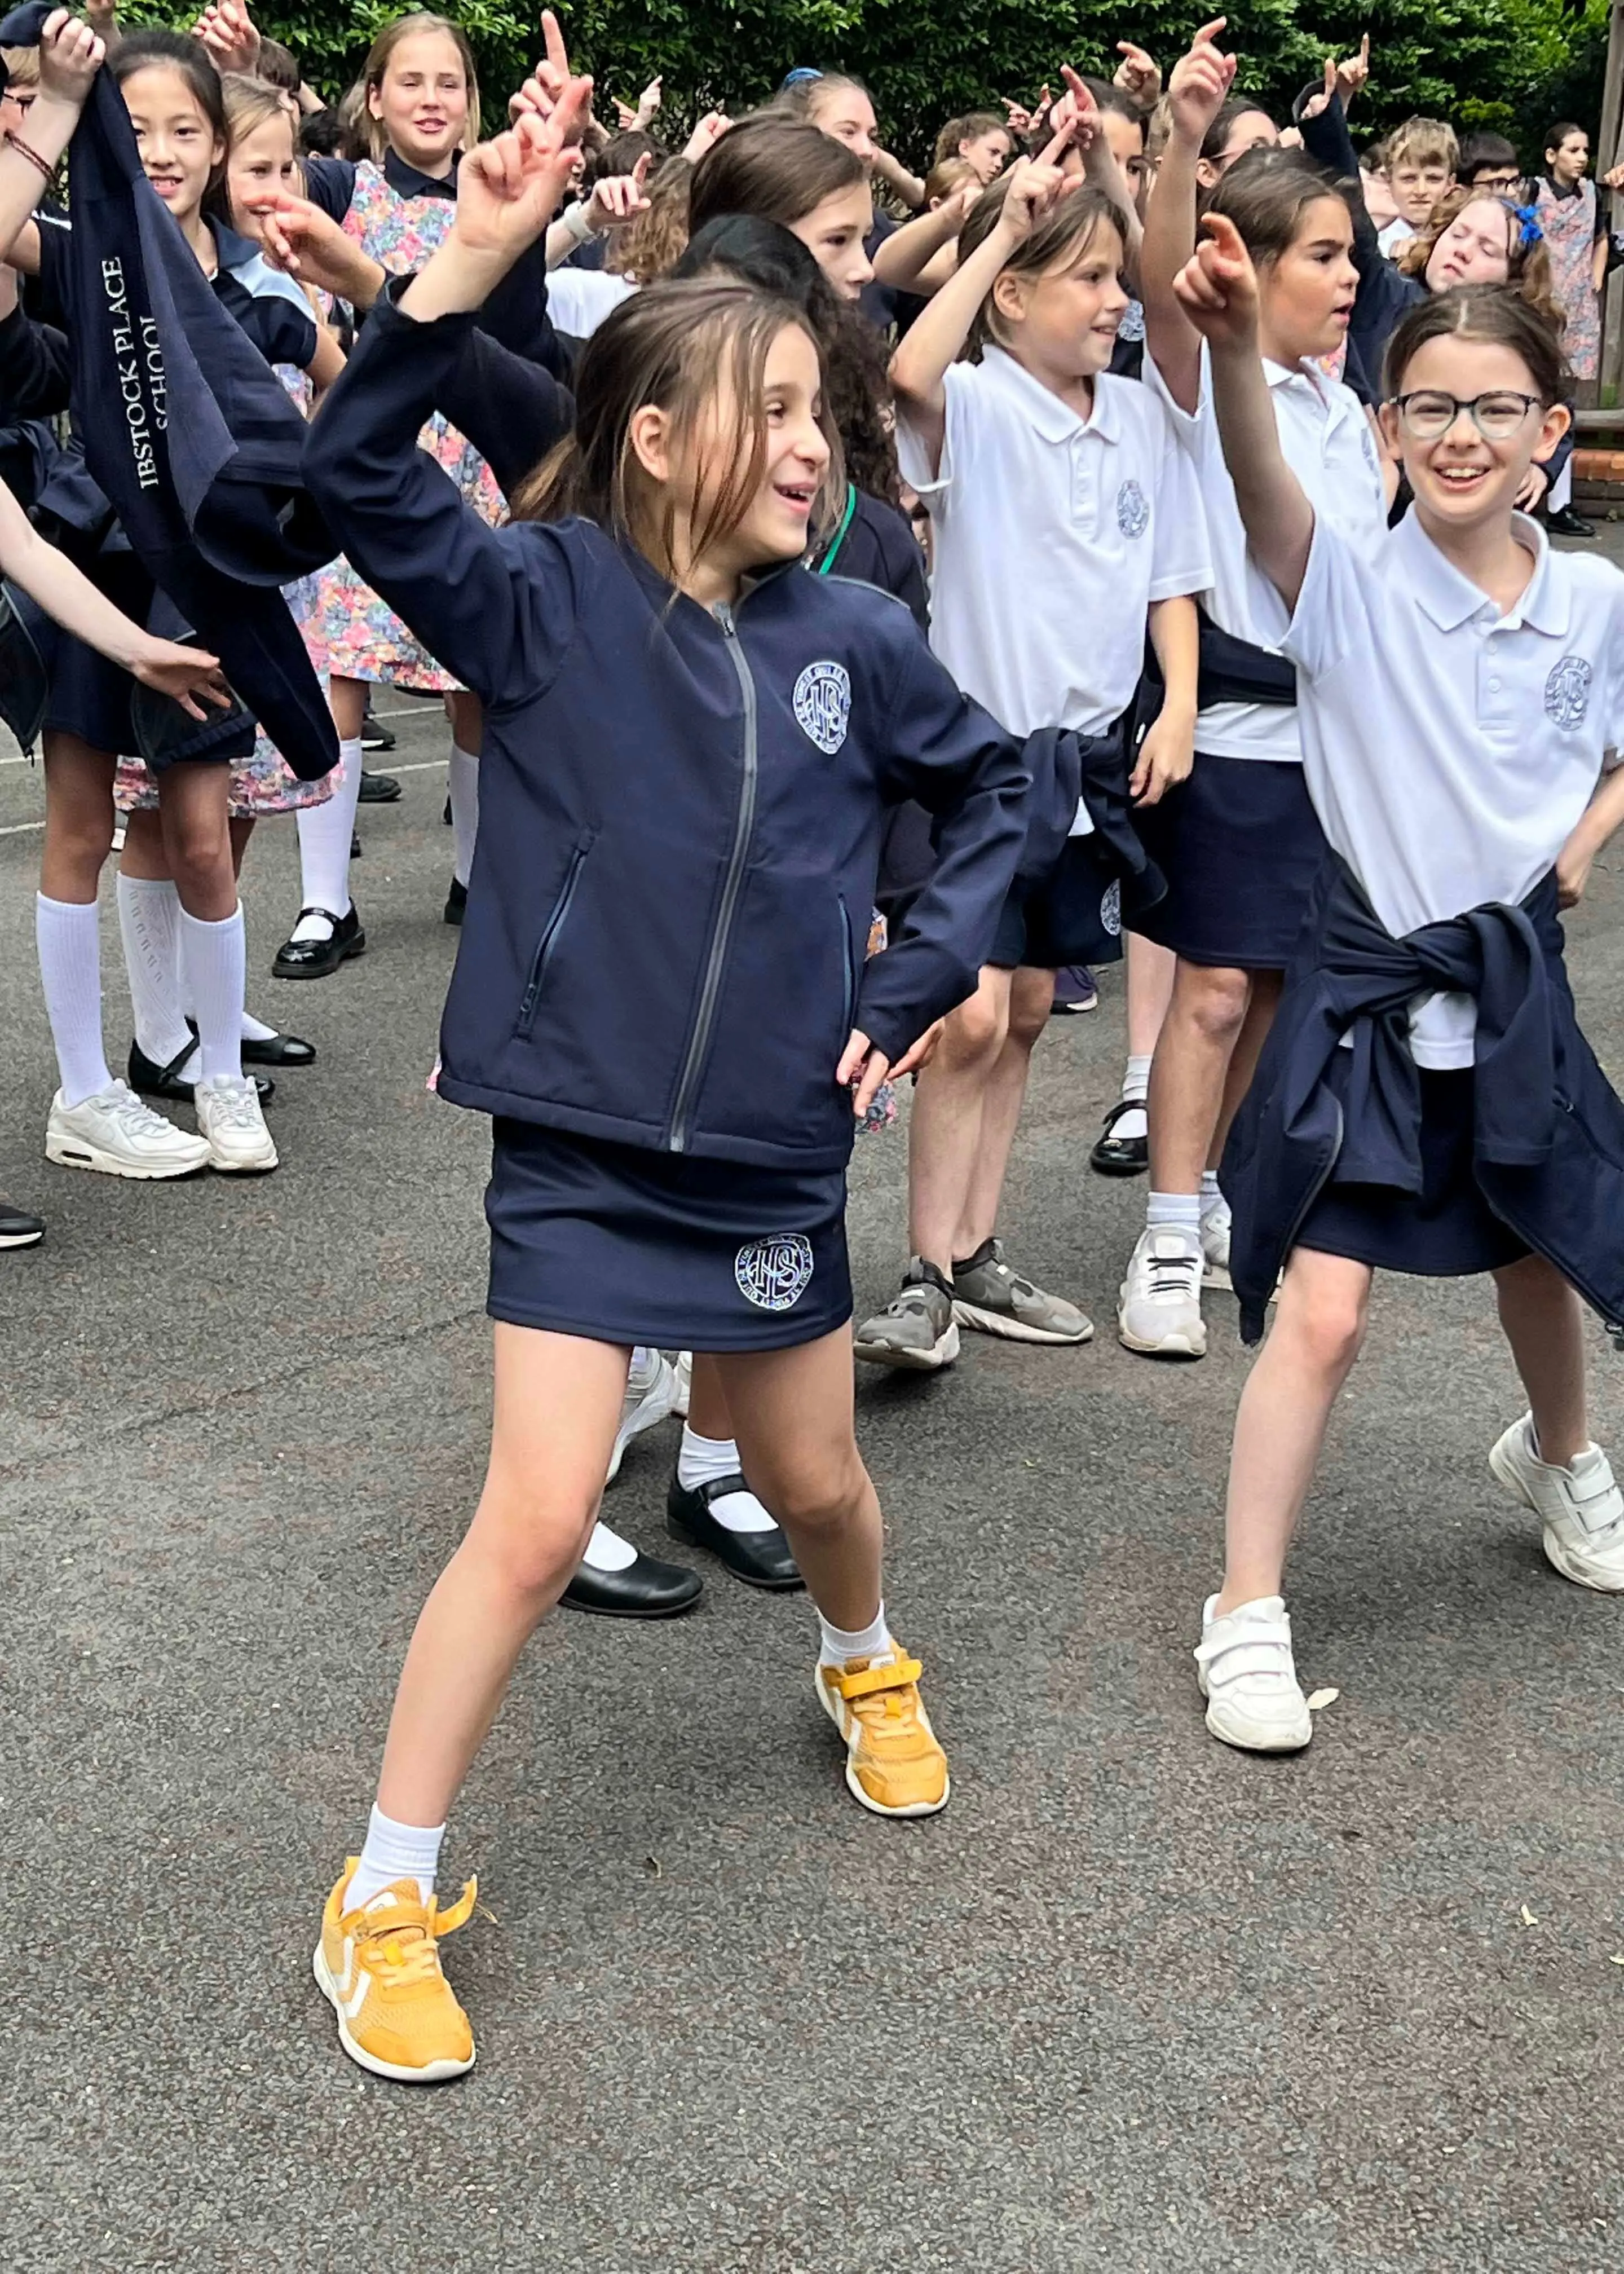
column 660, row 995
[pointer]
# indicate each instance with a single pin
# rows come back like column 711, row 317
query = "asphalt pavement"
column 1133, row 2002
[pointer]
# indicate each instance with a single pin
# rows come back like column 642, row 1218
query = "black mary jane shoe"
column 19, row 1228
column 151, row 1079
column 319, row 959
column 1566, row 523
column 274, row 1049
column 1120, row 1156
column 647, row 1589
column 761, row 1559
column 456, row 903
column 377, row 789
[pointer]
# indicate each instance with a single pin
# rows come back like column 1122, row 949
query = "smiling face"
column 1475, row 249
column 1306, row 293
column 833, row 233
column 989, row 153
column 259, row 164
column 1463, row 479
column 422, row 100
column 180, row 151
column 1060, row 323
column 845, row 114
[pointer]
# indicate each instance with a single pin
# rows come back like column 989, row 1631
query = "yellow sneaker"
column 893, row 1764
column 379, row 1967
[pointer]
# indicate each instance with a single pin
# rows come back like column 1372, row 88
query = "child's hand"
column 70, row 55
column 1352, row 72
column 706, row 135
column 182, row 672
column 648, row 103
column 618, row 199
column 1139, row 78
column 862, row 1068
column 1217, row 287
column 303, row 241
column 1033, row 192
column 1573, row 868
column 1166, row 758
column 230, row 33
column 508, row 189
column 1202, row 80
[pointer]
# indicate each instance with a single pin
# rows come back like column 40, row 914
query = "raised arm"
column 919, row 368
column 1218, row 290
column 1196, row 93
column 70, row 55
column 922, row 254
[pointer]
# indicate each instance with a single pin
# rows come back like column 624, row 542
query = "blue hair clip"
column 798, row 77
column 1531, row 232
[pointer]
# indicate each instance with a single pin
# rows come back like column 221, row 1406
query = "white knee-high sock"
column 395, row 1851
column 68, row 934
column 325, row 831
column 215, row 957
column 464, row 785
column 149, row 924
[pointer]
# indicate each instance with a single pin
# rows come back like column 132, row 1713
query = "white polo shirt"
column 1053, row 535
column 1326, row 441
column 1449, row 751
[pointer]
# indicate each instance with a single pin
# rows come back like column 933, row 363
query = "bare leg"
column 558, row 1406
column 707, row 1415
column 1150, row 989
column 944, row 1133
column 1544, row 1325
column 1032, row 992
column 1187, row 1076
column 1284, row 1408
column 192, row 815
column 78, row 819
column 793, row 1415
column 1266, row 989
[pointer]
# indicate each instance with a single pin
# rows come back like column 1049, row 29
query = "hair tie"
column 799, row 77
column 1531, row 233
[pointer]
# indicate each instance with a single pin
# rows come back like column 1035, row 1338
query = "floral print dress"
column 362, row 637
column 1570, row 224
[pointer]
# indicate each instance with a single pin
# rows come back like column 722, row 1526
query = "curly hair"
column 1528, row 265
column 646, row 247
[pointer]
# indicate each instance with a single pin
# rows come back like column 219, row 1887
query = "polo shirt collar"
column 1452, row 600
column 407, row 182
column 1054, row 420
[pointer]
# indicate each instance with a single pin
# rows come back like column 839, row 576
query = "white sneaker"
column 1160, row 1313
column 118, row 1134
column 1216, row 1243
column 651, row 1394
column 1248, row 1677
column 230, row 1119
column 1582, row 1507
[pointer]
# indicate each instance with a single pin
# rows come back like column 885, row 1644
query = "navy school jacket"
column 186, row 429
column 1548, row 1151
column 680, row 813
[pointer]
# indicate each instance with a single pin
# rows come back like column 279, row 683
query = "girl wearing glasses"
column 1425, row 1102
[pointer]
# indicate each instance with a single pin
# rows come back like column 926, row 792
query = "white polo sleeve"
column 1181, row 558
column 969, row 406
column 1339, row 610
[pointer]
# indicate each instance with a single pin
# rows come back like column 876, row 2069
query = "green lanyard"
column 828, row 561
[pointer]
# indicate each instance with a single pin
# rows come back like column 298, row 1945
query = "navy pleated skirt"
column 1074, row 915
column 622, row 1244
column 1241, row 847
column 1448, row 1230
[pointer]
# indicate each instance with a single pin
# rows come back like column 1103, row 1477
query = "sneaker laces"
column 403, row 1945
column 882, row 1695
column 234, row 1104
column 133, row 1113
column 1174, row 1277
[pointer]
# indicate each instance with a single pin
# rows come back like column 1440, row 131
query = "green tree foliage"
column 1505, row 63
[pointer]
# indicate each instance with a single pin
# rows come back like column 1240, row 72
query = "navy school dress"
column 682, row 815
column 90, row 696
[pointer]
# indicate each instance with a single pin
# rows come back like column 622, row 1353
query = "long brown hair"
column 1528, row 265
column 1498, row 316
column 1063, row 234
column 676, row 346
column 1267, row 192
column 774, row 164
column 408, row 27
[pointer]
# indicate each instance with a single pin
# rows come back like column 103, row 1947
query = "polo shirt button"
column 1495, row 687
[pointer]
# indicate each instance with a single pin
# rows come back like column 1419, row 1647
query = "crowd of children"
column 1129, row 535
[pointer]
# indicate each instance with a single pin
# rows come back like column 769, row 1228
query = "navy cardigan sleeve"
column 33, row 368
column 1384, row 293
column 495, row 606
column 955, row 759
column 510, row 408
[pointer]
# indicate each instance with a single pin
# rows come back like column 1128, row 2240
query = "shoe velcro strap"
column 460, row 1912
column 874, row 1678
column 1248, row 1655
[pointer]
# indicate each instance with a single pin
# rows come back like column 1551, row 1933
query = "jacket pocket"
column 550, row 930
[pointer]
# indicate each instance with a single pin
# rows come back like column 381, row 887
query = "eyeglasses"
column 1496, row 186
column 1496, row 416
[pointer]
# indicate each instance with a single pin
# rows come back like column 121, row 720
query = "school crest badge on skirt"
column 774, row 1273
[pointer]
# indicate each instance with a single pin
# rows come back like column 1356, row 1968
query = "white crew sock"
column 1210, row 1196
column 1175, row 1211
column 68, row 936
column 215, row 958
column 701, row 1461
column 325, row 831
column 606, row 1551
column 395, row 1851
column 1135, row 1089
column 872, row 1642
column 464, row 787
column 148, row 921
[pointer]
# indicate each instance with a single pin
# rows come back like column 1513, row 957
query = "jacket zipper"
column 705, row 1018
column 549, row 940
column 1612, row 1327
column 845, row 966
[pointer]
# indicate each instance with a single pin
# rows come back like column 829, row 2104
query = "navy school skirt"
column 91, row 696
column 1448, row 1230
column 623, row 1244
column 1074, row 915
column 1241, row 847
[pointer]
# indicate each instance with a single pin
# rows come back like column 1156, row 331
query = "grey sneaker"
column 993, row 1299
column 917, row 1329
